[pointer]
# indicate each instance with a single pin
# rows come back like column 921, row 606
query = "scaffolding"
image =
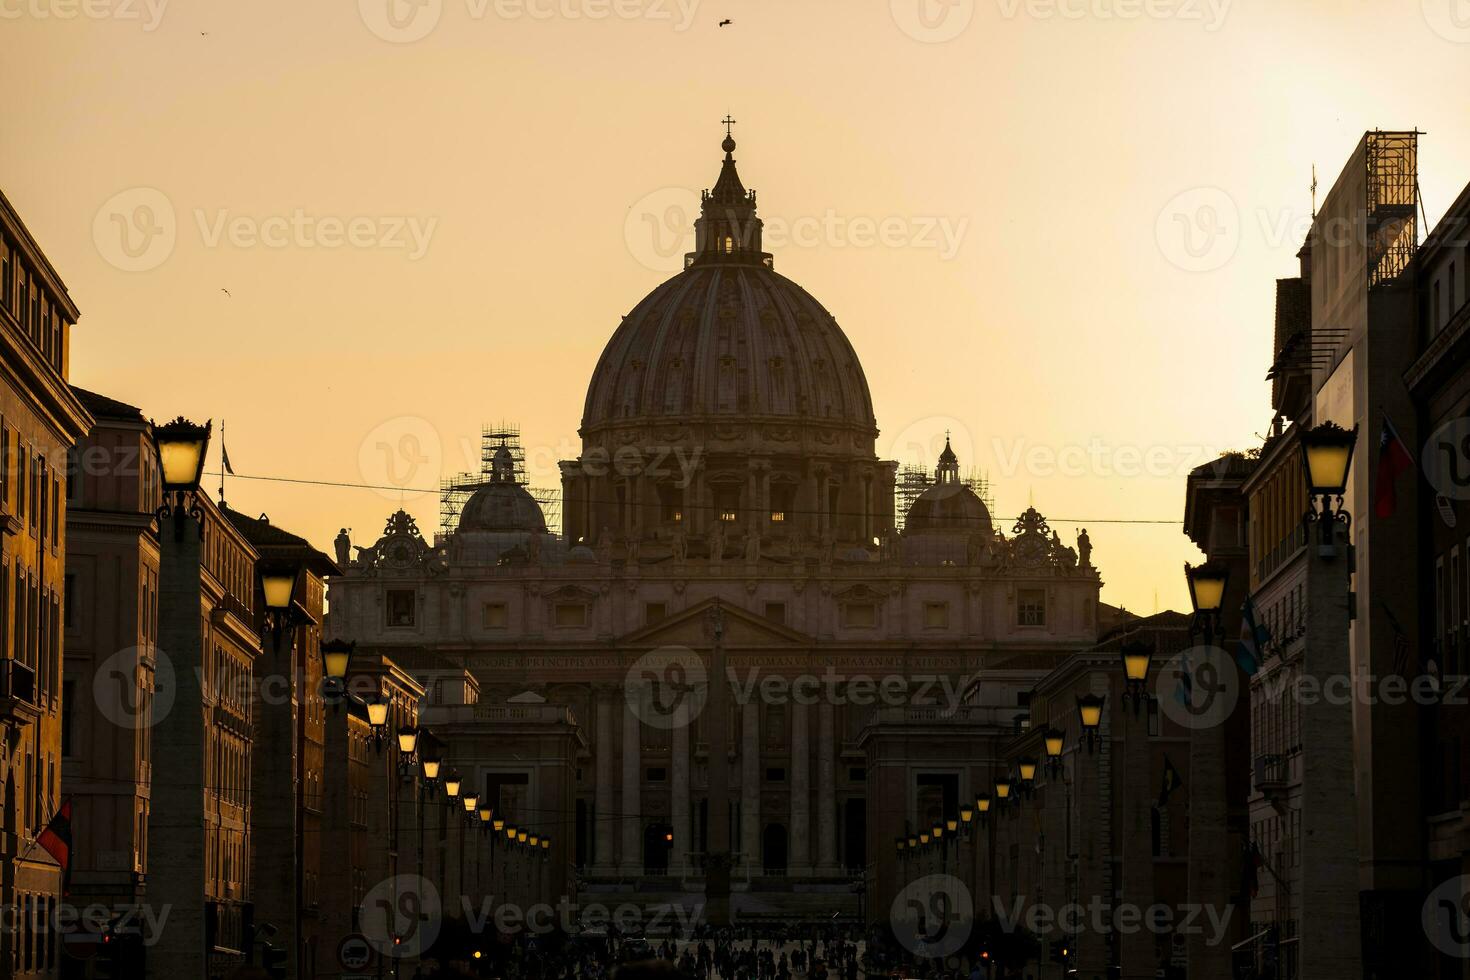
column 456, row 491
column 913, row 480
column 1392, row 159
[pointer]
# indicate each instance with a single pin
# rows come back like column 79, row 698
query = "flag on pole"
column 55, row 840
column 225, row 452
column 1393, row 459
column 1253, row 639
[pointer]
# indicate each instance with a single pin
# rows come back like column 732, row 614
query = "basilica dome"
column 730, row 340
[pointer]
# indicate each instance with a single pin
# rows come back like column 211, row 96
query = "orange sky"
column 432, row 215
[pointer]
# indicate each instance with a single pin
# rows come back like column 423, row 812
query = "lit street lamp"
column 1136, row 656
column 1089, row 714
column 1327, row 458
column 181, row 446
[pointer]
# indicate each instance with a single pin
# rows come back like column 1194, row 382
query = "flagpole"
column 222, row 461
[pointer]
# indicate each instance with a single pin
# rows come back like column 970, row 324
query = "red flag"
column 1393, row 459
column 55, row 840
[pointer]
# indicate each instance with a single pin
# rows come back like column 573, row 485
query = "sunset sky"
column 431, row 216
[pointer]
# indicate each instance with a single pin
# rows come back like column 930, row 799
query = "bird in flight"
column 726, row 21
column 225, row 291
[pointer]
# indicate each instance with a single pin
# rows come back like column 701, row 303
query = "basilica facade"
column 728, row 507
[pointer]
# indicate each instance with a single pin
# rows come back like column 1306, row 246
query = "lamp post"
column 176, row 827
column 1209, row 877
column 181, row 446
column 1327, row 797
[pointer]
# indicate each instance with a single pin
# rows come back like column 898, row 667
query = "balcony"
column 18, row 694
column 1273, row 776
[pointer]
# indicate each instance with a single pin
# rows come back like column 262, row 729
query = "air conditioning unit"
column 17, row 682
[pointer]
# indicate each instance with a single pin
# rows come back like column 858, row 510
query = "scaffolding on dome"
column 914, row 479
column 456, row 491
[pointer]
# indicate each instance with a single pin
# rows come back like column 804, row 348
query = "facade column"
column 679, row 771
column 826, row 790
column 799, row 855
column 603, row 807
column 750, row 786
column 630, row 860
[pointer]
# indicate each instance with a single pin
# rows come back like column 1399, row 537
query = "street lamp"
column 1136, row 656
column 377, row 712
column 1089, row 714
column 181, row 446
column 1327, row 457
column 982, row 805
column 1002, row 788
column 1054, row 741
column 451, row 784
column 1207, row 585
column 336, row 655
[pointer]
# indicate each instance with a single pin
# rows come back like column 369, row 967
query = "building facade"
column 727, row 497
column 111, row 631
column 40, row 420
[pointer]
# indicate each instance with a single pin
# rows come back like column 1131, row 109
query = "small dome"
column 502, row 507
column 948, row 505
column 581, row 553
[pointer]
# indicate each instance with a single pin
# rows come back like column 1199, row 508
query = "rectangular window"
column 859, row 615
column 653, row 612
column 776, row 774
column 569, row 614
column 657, row 774
column 4, row 464
column 496, row 616
column 776, row 612
column 1031, row 607
column 936, row 615
column 401, row 607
